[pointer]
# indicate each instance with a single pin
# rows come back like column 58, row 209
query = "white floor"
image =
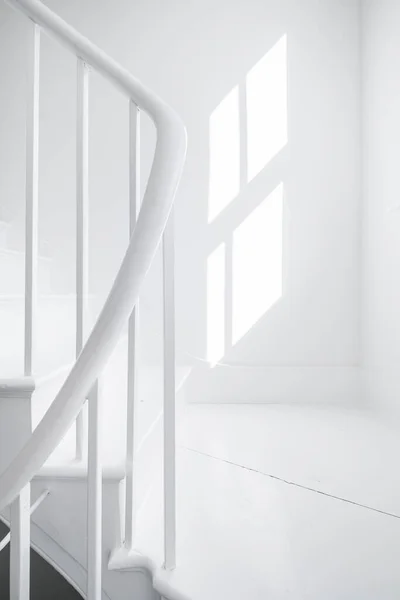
column 274, row 502
column 283, row 502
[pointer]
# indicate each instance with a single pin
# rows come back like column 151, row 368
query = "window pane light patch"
column 257, row 264
column 224, row 182
column 266, row 100
column 216, row 305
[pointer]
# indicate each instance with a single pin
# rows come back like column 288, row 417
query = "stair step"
column 66, row 506
column 78, row 471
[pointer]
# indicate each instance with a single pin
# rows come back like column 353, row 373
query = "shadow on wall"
column 258, row 84
column 245, row 271
column 46, row 582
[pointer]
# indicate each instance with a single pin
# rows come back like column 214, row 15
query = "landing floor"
column 283, row 502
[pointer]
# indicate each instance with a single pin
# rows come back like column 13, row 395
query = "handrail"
column 166, row 170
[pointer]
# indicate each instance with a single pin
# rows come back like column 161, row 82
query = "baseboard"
column 274, row 384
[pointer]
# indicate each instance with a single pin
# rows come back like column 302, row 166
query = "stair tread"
column 74, row 470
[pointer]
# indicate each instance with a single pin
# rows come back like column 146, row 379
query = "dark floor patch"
column 46, row 582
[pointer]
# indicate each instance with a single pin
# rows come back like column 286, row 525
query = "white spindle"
column 32, row 195
column 82, row 226
column 20, row 523
column 133, row 331
column 94, row 505
column 6, row 539
column 169, row 397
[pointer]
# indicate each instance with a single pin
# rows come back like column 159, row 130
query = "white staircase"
column 127, row 491
column 85, row 469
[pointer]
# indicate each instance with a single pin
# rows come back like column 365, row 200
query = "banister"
column 166, row 170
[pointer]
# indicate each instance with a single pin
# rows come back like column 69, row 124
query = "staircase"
column 126, row 490
column 68, row 383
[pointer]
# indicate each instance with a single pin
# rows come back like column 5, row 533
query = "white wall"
column 194, row 54
column 381, row 291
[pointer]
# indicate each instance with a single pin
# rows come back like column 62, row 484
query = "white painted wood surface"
column 82, row 226
column 82, row 201
column 20, row 545
column 169, row 158
column 133, row 332
column 6, row 539
column 32, row 195
column 246, row 475
column 94, row 505
column 169, row 396
column 93, row 354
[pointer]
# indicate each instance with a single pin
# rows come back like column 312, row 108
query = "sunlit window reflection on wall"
column 216, row 305
column 266, row 99
column 257, row 263
column 248, row 129
column 224, row 182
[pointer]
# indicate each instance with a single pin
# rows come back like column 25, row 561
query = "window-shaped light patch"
column 216, row 305
column 224, row 182
column 257, row 264
column 266, row 99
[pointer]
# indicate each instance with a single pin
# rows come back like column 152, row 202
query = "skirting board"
column 274, row 385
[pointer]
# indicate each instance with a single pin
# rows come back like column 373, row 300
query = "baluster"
column 20, row 524
column 32, row 196
column 82, row 226
column 94, row 503
column 133, row 332
column 6, row 539
column 169, row 396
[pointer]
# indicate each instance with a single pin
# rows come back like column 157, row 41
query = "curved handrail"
column 166, row 170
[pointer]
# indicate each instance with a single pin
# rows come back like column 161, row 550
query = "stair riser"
column 63, row 515
column 15, row 426
column 15, row 418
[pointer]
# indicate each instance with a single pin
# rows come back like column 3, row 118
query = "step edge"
column 17, row 387
column 122, row 559
column 78, row 471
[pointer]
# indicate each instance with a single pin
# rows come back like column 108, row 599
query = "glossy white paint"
column 146, row 233
column 66, row 506
column 82, row 226
column 133, row 335
column 164, row 178
column 262, row 524
column 279, row 502
column 94, row 504
column 68, row 559
column 316, row 300
column 319, row 167
column 169, row 396
column 32, row 196
column 82, row 201
column 20, row 545
column 6, row 540
column 15, row 417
